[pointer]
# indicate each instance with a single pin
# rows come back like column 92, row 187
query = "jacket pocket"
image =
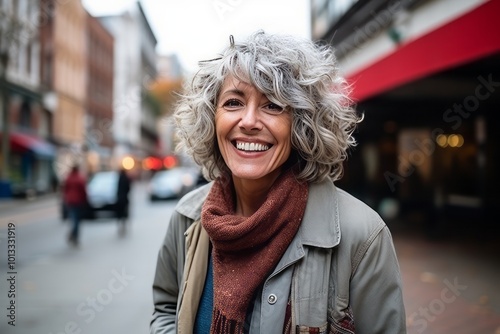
column 311, row 330
column 344, row 326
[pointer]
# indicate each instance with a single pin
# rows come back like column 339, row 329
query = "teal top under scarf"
column 203, row 319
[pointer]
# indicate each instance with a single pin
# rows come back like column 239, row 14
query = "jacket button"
column 272, row 299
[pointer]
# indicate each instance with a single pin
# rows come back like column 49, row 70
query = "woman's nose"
column 250, row 118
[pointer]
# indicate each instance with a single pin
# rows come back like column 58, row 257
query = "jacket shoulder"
column 190, row 204
column 359, row 223
column 355, row 211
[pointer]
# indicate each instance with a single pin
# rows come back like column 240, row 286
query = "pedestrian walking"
column 271, row 245
column 75, row 200
column 122, row 201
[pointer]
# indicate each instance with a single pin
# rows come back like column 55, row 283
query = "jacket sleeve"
column 376, row 296
column 168, row 276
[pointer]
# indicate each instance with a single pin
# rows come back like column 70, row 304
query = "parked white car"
column 173, row 183
column 101, row 191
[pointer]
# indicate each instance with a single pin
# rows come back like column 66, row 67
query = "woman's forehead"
column 232, row 82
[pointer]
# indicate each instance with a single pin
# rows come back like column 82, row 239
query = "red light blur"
column 151, row 163
column 169, row 161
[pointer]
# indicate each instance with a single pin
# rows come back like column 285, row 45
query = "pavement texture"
column 14, row 205
column 450, row 283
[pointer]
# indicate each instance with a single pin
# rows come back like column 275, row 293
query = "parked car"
column 101, row 196
column 101, row 193
column 173, row 183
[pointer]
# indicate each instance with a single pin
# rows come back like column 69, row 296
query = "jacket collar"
column 320, row 225
column 190, row 205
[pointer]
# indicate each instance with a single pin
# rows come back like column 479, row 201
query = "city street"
column 104, row 285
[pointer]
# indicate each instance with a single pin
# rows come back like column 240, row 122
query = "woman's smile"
column 251, row 147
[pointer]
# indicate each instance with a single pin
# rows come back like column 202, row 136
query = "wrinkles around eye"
column 232, row 103
column 274, row 107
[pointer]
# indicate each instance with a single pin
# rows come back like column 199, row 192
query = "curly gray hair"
column 290, row 71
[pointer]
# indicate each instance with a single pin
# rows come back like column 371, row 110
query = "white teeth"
column 251, row 146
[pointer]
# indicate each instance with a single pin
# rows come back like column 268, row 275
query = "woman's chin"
column 254, row 173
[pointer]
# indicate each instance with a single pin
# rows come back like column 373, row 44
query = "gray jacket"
column 340, row 271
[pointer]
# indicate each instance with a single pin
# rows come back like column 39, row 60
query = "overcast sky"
column 198, row 29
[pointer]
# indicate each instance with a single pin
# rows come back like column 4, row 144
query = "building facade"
column 425, row 75
column 168, row 83
column 25, row 124
column 64, row 79
column 99, row 139
column 134, row 123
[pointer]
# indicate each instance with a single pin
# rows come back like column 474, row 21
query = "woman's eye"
column 273, row 108
column 232, row 103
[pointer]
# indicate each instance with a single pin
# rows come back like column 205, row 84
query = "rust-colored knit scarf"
column 246, row 249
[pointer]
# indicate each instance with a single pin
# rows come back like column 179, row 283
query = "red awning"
column 23, row 143
column 470, row 37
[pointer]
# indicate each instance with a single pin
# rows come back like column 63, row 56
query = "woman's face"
column 254, row 134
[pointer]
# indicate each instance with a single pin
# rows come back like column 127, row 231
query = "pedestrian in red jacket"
column 75, row 200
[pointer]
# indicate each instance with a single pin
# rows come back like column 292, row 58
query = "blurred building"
column 99, row 139
column 25, row 123
column 166, row 86
column 72, row 93
column 63, row 74
column 169, row 67
column 425, row 74
column 135, row 110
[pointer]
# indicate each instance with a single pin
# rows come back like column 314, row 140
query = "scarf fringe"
column 222, row 325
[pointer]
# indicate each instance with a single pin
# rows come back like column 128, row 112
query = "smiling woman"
column 253, row 133
column 271, row 237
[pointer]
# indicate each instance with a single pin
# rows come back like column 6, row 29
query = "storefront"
column 30, row 164
column 31, row 154
column 428, row 141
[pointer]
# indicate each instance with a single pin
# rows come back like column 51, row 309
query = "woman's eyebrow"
column 233, row 91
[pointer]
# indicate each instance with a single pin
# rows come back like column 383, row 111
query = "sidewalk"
column 12, row 205
column 450, row 284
